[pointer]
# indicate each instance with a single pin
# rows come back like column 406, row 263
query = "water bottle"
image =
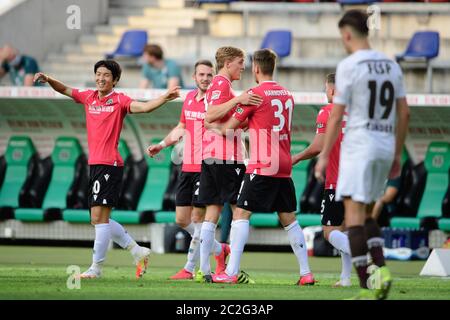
column 179, row 241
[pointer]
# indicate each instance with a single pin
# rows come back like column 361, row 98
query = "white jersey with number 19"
column 368, row 83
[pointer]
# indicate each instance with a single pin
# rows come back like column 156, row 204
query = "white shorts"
column 364, row 167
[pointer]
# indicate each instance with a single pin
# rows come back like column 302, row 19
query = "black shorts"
column 104, row 185
column 220, row 182
column 267, row 194
column 188, row 187
column 332, row 211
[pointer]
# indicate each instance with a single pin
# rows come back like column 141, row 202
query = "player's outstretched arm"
column 55, row 84
column 219, row 111
column 400, row 136
column 333, row 128
column 152, row 105
column 311, row 151
column 173, row 137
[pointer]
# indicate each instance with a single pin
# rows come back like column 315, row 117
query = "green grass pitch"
column 40, row 273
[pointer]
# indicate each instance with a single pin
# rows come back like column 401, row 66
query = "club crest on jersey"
column 110, row 101
column 239, row 110
column 320, row 125
column 215, row 94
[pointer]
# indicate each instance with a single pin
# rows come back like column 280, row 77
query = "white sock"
column 339, row 240
column 298, row 244
column 194, row 248
column 240, row 230
column 120, row 236
column 190, row 229
column 207, row 234
column 101, row 243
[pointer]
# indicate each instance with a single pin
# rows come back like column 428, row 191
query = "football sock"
column 358, row 248
column 375, row 242
column 120, row 236
column 206, row 245
column 297, row 240
column 239, row 230
column 339, row 240
column 101, row 243
column 194, row 248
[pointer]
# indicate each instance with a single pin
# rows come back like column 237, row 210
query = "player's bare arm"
column 311, row 151
column 333, row 128
column 400, row 137
column 152, row 105
column 55, row 84
column 172, row 138
column 219, row 111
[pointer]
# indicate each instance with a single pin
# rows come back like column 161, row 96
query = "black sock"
column 358, row 247
column 375, row 242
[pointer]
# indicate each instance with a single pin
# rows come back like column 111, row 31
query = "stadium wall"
column 38, row 27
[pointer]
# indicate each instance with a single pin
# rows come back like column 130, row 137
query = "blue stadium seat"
column 357, row 1
column 423, row 44
column 279, row 41
column 131, row 45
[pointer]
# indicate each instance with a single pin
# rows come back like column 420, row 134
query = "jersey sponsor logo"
column 239, row 110
column 215, row 94
column 106, row 177
column 320, row 125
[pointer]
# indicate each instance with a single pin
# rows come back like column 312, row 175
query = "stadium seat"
column 2, row 169
column 444, row 224
column 437, row 164
column 351, row 2
column 131, row 45
column 165, row 217
column 264, row 220
column 279, row 41
column 423, row 45
column 20, row 157
column 65, row 154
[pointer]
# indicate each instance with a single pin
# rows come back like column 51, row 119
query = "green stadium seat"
column 76, row 215
column 444, row 224
column 65, row 154
column 126, row 216
column 165, row 217
column 300, row 170
column 18, row 155
column 264, row 220
column 437, row 164
column 309, row 219
column 157, row 180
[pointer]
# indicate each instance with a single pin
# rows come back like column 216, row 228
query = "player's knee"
column 182, row 222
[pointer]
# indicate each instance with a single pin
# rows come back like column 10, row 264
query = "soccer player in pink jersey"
column 267, row 185
column 105, row 110
column 190, row 213
column 332, row 211
column 223, row 160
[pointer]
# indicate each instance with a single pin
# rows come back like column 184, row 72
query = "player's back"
column 274, row 117
column 369, row 83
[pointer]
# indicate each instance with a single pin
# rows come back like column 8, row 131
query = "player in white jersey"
column 369, row 87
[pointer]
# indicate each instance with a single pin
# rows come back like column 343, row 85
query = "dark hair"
column 357, row 20
column 331, row 78
column 203, row 62
column 112, row 66
column 154, row 50
column 266, row 60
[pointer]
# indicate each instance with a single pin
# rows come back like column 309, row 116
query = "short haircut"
column 204, row 63
column 266, row 60
column 331, row 78
column 357, row 20
column 225, row 54
column 112, row 66
column 154, row 50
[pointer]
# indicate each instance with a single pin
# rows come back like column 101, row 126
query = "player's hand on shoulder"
column 172, row 93
column 40, row 77
column 250, row 99
column 154, row 149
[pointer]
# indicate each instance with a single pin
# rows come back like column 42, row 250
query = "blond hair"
column 225, row 54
